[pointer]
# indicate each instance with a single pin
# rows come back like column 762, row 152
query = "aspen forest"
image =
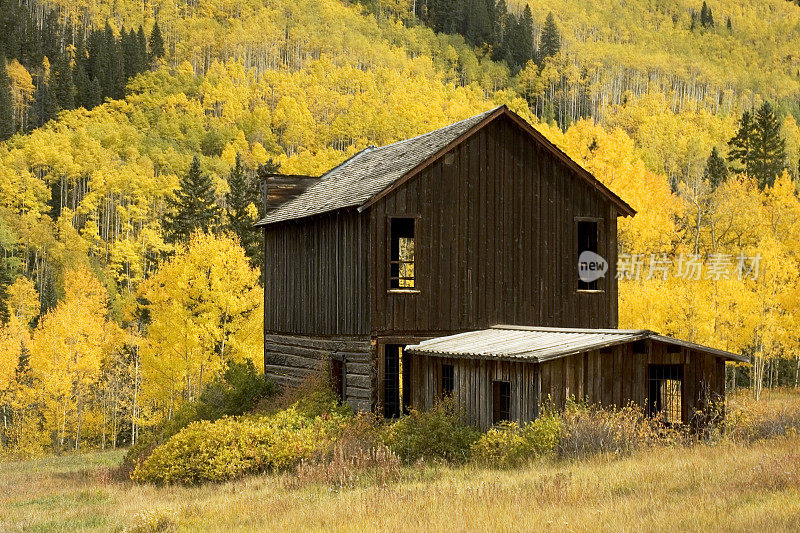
column 134, row 135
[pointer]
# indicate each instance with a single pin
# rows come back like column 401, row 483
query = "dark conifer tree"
column 61, row 83
column 6, row 105
column 156, row 43
column 192, row 207
column 716, row 172
column 244, row 191
column 129, row 53
column 94, row 62
column 107, row 62
column 500, row 15
column 550, row 40
column 768, row 149
column 82, row 84
column 728, row 24
column 527, row 52
column 118, row 68
column 512, row 37
column 704, row 15
column 44, row 107
column 141, row 49
column 741, row 145
column 94, row 96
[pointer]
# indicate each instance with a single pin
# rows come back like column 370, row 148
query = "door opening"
column 396, row 381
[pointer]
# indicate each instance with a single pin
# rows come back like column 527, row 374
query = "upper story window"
column 401, row 263
column 588, row 279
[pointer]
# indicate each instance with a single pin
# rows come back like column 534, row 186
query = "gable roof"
column 542, row 344
column 370, row 174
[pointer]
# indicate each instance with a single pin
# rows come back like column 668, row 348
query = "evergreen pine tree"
column 243, row 193
column 740, row 144
column 550, row 40
column 118, row 68
column 61, row 84
column 476, row 26
column 44, row 108
column 82, row 85
column 716, row 172
column 527, row 51
column 107, row 61
column 500, row 15
column 704, row 15
column 141, row 50
column 768, row 149
column 94, row 59
column 192, row 207
column 94, row 96
column 728, row 24
column 156, row 43
column 511, row 42
column 6, row 105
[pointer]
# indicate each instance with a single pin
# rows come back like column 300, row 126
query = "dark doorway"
column 337, row 379
column 448, row 380
column 665, row 392
column 396, row 382
column 501, row 401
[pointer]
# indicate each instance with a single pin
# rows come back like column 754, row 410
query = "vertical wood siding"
column 619, row 377
column 496, row 241
column 473, row 386
column 316, row 276
column 616, row 377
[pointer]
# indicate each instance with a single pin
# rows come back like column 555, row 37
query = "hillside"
column 630, row 91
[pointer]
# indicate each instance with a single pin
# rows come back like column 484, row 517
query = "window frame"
column 657, row 374
column 447, row 384
column 390, row 262
column 498, row 413
column 599, row 284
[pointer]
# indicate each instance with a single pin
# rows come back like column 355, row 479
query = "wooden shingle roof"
column 537, row 344
column 371, row 173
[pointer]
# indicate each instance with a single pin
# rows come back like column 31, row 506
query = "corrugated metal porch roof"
column 538, row 344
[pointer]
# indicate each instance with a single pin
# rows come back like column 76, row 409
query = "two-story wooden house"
column 394, row 269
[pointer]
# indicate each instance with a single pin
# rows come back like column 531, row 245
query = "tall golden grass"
column 722, row 485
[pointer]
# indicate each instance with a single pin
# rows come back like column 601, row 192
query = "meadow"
column 725, row 484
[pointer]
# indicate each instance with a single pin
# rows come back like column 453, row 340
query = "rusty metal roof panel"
column 540, row 344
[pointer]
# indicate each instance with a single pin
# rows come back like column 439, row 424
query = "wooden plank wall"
column 288, row 360
column 316, row 279
column 496, row 241
column 619, row 376
column 473, row 386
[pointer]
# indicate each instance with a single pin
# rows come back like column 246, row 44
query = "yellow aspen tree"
column 67, row 352
column 205, row 307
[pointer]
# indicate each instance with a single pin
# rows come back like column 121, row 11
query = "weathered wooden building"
column 476, row 224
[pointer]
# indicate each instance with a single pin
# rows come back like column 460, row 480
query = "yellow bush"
column 233, row 447
column 509, row 444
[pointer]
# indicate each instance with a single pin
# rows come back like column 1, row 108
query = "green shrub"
column 435, row 435
column 230, row 448
column 234, row 392
column 508, row 445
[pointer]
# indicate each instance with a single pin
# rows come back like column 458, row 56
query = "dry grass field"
column 726, row 486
